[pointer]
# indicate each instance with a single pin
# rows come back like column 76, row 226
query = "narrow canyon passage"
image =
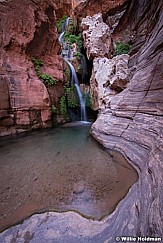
column 60, row 169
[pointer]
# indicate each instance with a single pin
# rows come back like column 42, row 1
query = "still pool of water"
column 60, row 169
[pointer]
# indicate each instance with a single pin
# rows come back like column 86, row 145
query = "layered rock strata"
column 133, row 123
column 27, row 30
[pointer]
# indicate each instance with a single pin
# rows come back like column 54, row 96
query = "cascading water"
column 61, row 37
column 64, row 27
column 74, row 79
column 67, row 54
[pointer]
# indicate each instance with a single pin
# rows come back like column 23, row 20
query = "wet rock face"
column 27, row 29
column 109, row 77
column 96, row 35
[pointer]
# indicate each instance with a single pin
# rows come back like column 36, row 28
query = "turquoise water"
column 59, row 169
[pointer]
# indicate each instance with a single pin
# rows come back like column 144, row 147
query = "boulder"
column 96, row 35
column 109, row 77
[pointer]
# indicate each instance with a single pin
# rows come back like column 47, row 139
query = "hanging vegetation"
column 60, row 22
column 46, row 78
column 122, row 48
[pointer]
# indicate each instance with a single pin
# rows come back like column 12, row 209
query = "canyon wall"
column 83, row 8
column 132, row 122
column 27, row 29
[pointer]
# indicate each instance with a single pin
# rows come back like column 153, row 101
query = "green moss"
column 71, row 95
column 122, row 48
column 46, row 78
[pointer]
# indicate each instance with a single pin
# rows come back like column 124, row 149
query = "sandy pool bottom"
column 60, row 169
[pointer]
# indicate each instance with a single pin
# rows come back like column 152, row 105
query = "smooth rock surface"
column 133, row 124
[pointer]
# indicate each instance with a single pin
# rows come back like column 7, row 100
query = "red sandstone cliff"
column 27, row 28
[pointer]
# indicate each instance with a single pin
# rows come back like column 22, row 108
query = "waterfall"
column 67, row 52
column 67, row 55
column 74, row 79
column 61, row 37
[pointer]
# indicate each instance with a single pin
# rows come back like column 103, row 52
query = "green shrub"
column 71, row 27
column 47, row 79
column 67, row 72
column 71, row 38
column 122, row 48
column 37, row 62
column 80, row 41
column 79, row 68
